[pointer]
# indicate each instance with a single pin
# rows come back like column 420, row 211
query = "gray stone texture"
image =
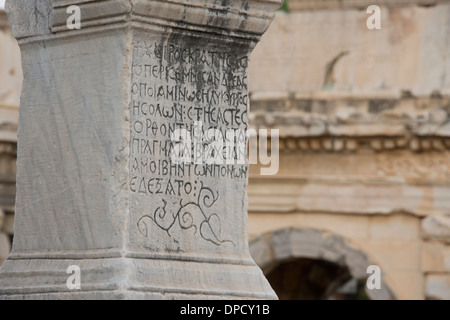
column 95, row 185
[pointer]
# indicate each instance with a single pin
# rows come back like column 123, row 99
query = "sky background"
column 2, row 4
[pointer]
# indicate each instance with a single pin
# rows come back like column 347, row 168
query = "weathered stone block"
column 397, row 255
column 437, row 287
column 396, row 227
column 436, row 228
column 435, row 257
column 300, row 61
column 97, row 184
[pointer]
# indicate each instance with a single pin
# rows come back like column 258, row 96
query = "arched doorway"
column 312, row 264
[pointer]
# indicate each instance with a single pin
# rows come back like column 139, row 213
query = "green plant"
column 285, row 6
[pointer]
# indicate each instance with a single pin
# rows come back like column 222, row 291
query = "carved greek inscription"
column 201, row 92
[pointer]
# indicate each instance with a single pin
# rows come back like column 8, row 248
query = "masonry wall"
column 364, row 124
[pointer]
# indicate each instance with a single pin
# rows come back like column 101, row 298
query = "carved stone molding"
column 377, row 144
column 339, row 124
column 241, row 19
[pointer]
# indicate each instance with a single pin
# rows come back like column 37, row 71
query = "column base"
column 123, row 277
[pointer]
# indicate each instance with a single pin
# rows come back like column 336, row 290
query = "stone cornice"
column 350, row 124
column 354, row 117
column 247, row 19
column 301, row 5
column 329, row 144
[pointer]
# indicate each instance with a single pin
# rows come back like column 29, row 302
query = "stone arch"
column 274, row 248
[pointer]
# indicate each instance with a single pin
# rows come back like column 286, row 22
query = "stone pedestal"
column 96, row 184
